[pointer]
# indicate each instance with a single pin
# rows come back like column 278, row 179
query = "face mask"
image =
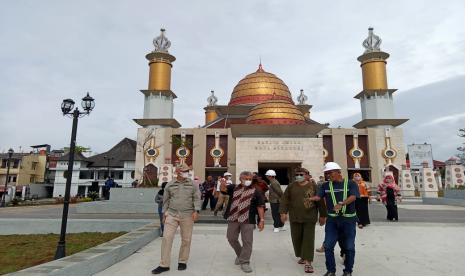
column 185, row 174
column 357, row 178
column 299, row 178
column 248, row 183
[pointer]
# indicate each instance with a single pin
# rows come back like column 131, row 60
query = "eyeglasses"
column 299, row 174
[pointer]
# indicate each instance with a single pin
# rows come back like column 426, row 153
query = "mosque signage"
column 419, row 153
column 278, row 145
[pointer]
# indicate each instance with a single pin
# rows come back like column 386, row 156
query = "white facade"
column 377, row 106
column 83, row 177
column 158, row 106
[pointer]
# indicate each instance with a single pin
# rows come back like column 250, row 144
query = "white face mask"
column 185, row 174
column 247, row 183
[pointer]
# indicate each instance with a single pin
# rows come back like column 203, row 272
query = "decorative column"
column 356, row 153
column 406, row 182
column 428, row 185
column 454, row 174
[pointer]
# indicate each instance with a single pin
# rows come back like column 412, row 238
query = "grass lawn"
column 21, row 251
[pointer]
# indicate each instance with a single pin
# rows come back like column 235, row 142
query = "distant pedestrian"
column 181, row 204
column 361, row 204
column 320, row 182
column 197, row 183
column 245, row 204
column 275, row 194
column 389, row 193
column 109, row 183
column 260, row 184
column 222, row 193
column 303, row 215
column 209, row 188
column 135, row 183
column 159, row 201
column 340, row 195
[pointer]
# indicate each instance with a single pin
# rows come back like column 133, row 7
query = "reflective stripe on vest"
column 344, row 197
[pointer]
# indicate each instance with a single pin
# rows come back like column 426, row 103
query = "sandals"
column 308, row 268
column 301, row 261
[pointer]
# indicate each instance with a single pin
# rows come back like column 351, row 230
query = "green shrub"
column 93, row 195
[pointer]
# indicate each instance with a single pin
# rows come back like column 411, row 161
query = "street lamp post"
column 67, row 109
column 108, row 164
column 10, row 154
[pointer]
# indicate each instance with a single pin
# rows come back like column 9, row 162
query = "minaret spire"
column 376, row 98
column 159, row 99
column 260, row 67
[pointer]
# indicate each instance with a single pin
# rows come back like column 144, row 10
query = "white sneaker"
column 276, row 230
column 282, row 228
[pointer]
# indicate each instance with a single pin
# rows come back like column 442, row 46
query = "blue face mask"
column 299, row 178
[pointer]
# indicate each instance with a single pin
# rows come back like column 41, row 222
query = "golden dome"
column 276, row 112
column 259, row 87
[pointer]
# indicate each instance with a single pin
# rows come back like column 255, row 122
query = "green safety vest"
column 344, row 197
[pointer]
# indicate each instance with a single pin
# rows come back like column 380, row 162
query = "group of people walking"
column 338, row 203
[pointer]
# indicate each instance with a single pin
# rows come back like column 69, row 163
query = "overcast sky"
column 51, row 50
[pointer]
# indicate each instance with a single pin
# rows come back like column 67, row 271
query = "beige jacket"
column 181, row 198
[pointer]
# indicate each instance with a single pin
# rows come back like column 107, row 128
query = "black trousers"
column 392, row 211
column 276, row 216
column 209, row 196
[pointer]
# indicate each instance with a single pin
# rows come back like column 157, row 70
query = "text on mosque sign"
column 279, row 145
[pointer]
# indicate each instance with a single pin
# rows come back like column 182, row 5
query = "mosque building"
column 263, row 128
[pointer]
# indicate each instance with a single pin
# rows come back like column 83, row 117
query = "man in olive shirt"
column 181, row 205
column 303, row 215
column 275, row 194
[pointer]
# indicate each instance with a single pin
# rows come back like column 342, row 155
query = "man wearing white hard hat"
column 339, row 194
column 275, row 194
column 223, row 197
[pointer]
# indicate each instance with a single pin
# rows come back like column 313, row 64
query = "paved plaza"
column 428, row 240
column 382, row 249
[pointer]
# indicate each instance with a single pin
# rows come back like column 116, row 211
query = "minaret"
column 302, row 104
column 210, row 109
column 375, row 98
column 158, row 100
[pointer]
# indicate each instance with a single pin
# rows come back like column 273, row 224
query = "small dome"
column 259, row 87
column 276, row 112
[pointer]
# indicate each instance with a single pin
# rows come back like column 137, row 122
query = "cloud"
column 57, row 49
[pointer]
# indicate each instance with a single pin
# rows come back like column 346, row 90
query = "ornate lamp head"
column 10, row 152
column 88, row 103
column 161, row 43
column 67, row 105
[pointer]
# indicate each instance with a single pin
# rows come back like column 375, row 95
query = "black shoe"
column 215, row 213
column 330, row 274
column 182, row 266
column 160, row 269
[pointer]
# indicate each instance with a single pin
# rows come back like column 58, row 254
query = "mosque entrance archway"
column 150, row 175
column 284, row 171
